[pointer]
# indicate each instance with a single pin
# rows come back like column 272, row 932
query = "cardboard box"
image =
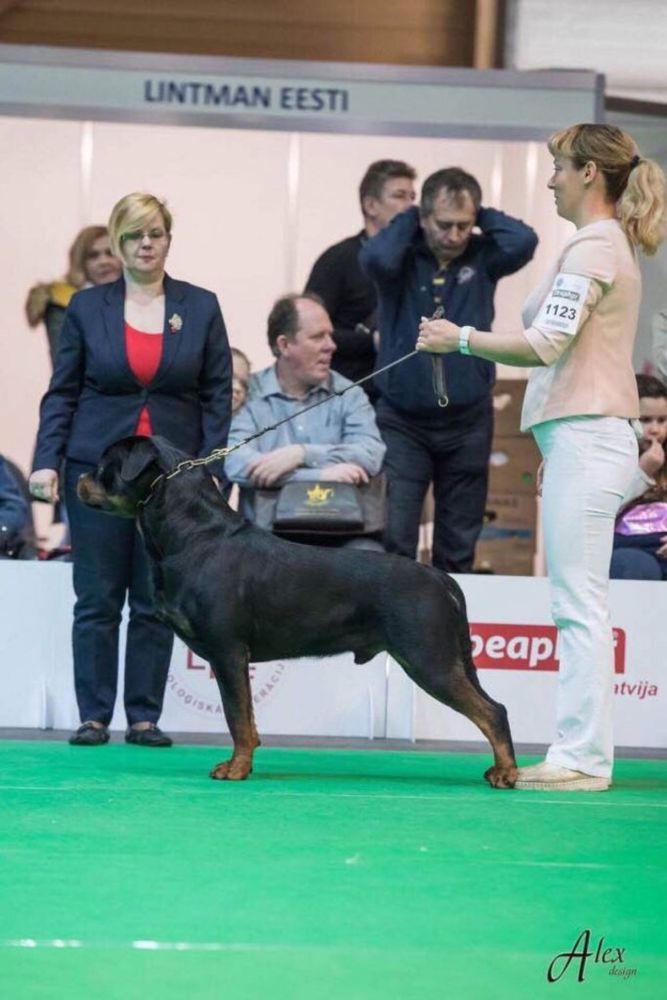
column 513, row 464
column 508, row 396
column 510, row 515
column 506, row 556
column 507, row 543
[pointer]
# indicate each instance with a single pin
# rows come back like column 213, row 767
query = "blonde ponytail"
column 641, row 207
column 635, row 185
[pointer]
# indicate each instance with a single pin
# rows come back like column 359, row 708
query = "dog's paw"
column 501, row 777
column 234, row 769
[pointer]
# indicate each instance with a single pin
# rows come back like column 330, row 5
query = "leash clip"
column 439, row 382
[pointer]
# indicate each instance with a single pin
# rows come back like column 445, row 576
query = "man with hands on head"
column 449, row 252
column 336, row 442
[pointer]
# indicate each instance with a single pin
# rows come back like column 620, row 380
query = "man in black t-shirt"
column 386, row 189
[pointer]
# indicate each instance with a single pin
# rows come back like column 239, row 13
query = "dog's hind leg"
column 231, row 673
column 453, row 687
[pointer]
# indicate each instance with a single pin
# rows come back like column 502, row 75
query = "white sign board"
column 299, row 96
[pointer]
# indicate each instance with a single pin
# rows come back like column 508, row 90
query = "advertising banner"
column 514, row 645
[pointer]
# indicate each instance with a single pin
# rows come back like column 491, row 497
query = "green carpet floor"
column 328, row 875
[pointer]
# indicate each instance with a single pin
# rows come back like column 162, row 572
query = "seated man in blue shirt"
column 336, row 442
column 14, row 513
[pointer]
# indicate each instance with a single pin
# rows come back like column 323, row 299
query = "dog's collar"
column 184, row 466
column 151, row 490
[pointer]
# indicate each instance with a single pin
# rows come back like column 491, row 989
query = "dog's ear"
column 137, row 460
column 167, row 455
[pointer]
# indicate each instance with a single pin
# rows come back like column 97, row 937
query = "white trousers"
column 589, row 463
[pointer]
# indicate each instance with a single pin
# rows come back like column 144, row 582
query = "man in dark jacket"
column 430, row 257
column 386, row 189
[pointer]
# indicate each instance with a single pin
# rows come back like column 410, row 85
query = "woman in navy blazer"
column 146, row 354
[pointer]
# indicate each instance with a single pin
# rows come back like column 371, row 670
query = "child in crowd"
column 640, row 538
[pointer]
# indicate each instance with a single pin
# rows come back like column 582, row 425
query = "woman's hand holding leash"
column 438, row 336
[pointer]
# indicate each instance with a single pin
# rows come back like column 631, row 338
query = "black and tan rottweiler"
column 236, row 595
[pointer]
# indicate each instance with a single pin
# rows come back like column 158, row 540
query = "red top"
column 144, row 351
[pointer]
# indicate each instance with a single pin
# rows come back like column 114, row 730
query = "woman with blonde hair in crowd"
column 91, row 262
column 578, row 332
column 144, row 355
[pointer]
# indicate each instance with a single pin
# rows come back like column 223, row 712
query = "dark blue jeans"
column 635, row 558
column 451, row 451
column 110, row 562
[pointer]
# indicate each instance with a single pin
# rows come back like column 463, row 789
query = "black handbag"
column 322, row 508
column 308, row 507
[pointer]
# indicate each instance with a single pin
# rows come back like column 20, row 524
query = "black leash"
column 439, row 387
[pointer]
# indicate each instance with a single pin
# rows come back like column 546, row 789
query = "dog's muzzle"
column 90, row 492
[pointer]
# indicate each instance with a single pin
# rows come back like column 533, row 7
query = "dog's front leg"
column 233, row 680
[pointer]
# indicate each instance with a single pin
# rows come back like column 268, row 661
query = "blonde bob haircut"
column 133, row 212
column 636, row 185
column 79, row 253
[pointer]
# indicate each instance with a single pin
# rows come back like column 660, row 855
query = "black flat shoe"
column 151, row 737
column 89, row 735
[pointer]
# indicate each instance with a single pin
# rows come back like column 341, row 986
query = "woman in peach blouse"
column 578, row 333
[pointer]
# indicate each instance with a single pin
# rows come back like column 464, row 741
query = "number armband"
column 562, row 308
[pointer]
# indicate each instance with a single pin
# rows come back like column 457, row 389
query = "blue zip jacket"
column 402, row 266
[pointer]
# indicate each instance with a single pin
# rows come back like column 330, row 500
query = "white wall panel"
column 41, row 210
column 228, row 192
column 625, row 41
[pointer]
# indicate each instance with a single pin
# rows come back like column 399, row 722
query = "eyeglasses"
column 154, row 235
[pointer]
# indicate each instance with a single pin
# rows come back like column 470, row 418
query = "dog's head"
column 126, row 474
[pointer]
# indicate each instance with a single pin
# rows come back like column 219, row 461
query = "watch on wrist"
column 464, row 339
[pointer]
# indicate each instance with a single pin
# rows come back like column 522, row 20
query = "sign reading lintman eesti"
column 273, row 94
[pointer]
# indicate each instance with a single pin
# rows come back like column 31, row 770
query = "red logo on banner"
column 196, row 664
column 263, row 677
column 498, row 647
column 526, row 647
column 192, row 663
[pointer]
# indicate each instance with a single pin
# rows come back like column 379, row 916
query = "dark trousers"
column 451, row 451
column 110, row 561
column 635, row 558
